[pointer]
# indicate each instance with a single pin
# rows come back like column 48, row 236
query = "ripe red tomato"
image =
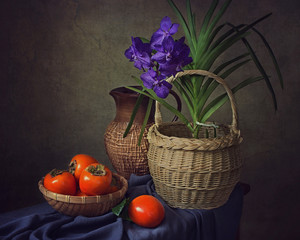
column 146, row 211
column 60, row 181
column 78, row 163
column 95, row 179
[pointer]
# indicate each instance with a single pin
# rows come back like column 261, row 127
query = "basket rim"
column 156, row 138
column 86, row 199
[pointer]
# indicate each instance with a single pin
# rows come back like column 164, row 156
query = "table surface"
column 43, row 222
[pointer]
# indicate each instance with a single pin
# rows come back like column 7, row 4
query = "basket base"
column 196, row 199
column 87, row 210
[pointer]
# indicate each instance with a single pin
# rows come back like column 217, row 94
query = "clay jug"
column 124, row 153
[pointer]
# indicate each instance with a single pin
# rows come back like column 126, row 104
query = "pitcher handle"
column 178, row 102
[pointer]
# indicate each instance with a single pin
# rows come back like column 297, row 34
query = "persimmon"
column 95, row 179
column 60, row 181
column 78, row 163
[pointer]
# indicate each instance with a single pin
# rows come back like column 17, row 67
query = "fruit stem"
column 54, row 172
column 97, row 170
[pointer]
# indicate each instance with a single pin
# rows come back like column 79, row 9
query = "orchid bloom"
column 166, row 29
column 156, row 82
column 140, row 53
column 160, row 58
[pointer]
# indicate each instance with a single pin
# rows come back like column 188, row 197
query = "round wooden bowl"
column 88, row 206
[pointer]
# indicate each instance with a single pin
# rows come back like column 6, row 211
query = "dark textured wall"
column 60, row 58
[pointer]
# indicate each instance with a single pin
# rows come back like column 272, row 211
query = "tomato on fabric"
column 146, row 211
column 95, row 179
column 78, row 163
column 60, row 181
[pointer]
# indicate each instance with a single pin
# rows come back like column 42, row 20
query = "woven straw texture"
column 195, row 173
column 124, row 153
column 88, row 206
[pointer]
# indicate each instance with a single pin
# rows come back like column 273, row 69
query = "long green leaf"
column 191, row 22
column 220, row 100
column 214, row 85
column 183, row 92
column 152, row 94
column 208, row 16
column 221, row 47
column 217, row 17
column 224, row 36
column 185, row 81
column 226, row 64
column 219, row 69
column 210, row 57
column 272, row 56
column 185, row 96
column 145, row 121
column 134, row 112
column 206, row 44
column 260, row 68
column 184, row 25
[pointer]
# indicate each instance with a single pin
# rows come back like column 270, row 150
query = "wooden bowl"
column 88, row 206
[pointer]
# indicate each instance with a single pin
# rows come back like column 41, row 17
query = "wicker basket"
column 195, row 173
column 88, row 206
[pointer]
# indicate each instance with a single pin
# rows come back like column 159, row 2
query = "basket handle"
column 158, row 116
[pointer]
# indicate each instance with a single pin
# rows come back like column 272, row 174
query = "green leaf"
column 211, row 38
column 185, row 96
column 259, row 67
column 184, row 26
column 144, row 40
column 185, row 81
column 214, row 85
column 134, row 112
column 152, row 94
column 209, row 58
column 121, row 211
column 208, row 16
column 220, row 100
column 117, row 210
column 224, row 36
column 272, row 56
column 219, row 69
column 217, row 17
column 226, row 64
column 205, row 61
column 191, row 22
column 202, row 43
column 145, row 121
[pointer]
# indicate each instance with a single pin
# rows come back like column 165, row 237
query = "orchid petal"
column 159, row 57
column 168, row 44
column 161, row 90
column 174, row 28
column 147, row 80
column 165, row 24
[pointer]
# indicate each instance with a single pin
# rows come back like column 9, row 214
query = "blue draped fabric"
column 42, row 222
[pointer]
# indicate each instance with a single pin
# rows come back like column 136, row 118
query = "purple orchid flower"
column 162, row 57
column 139, row 53
column 152, row 80
column 166, row 29
column 173, row 58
